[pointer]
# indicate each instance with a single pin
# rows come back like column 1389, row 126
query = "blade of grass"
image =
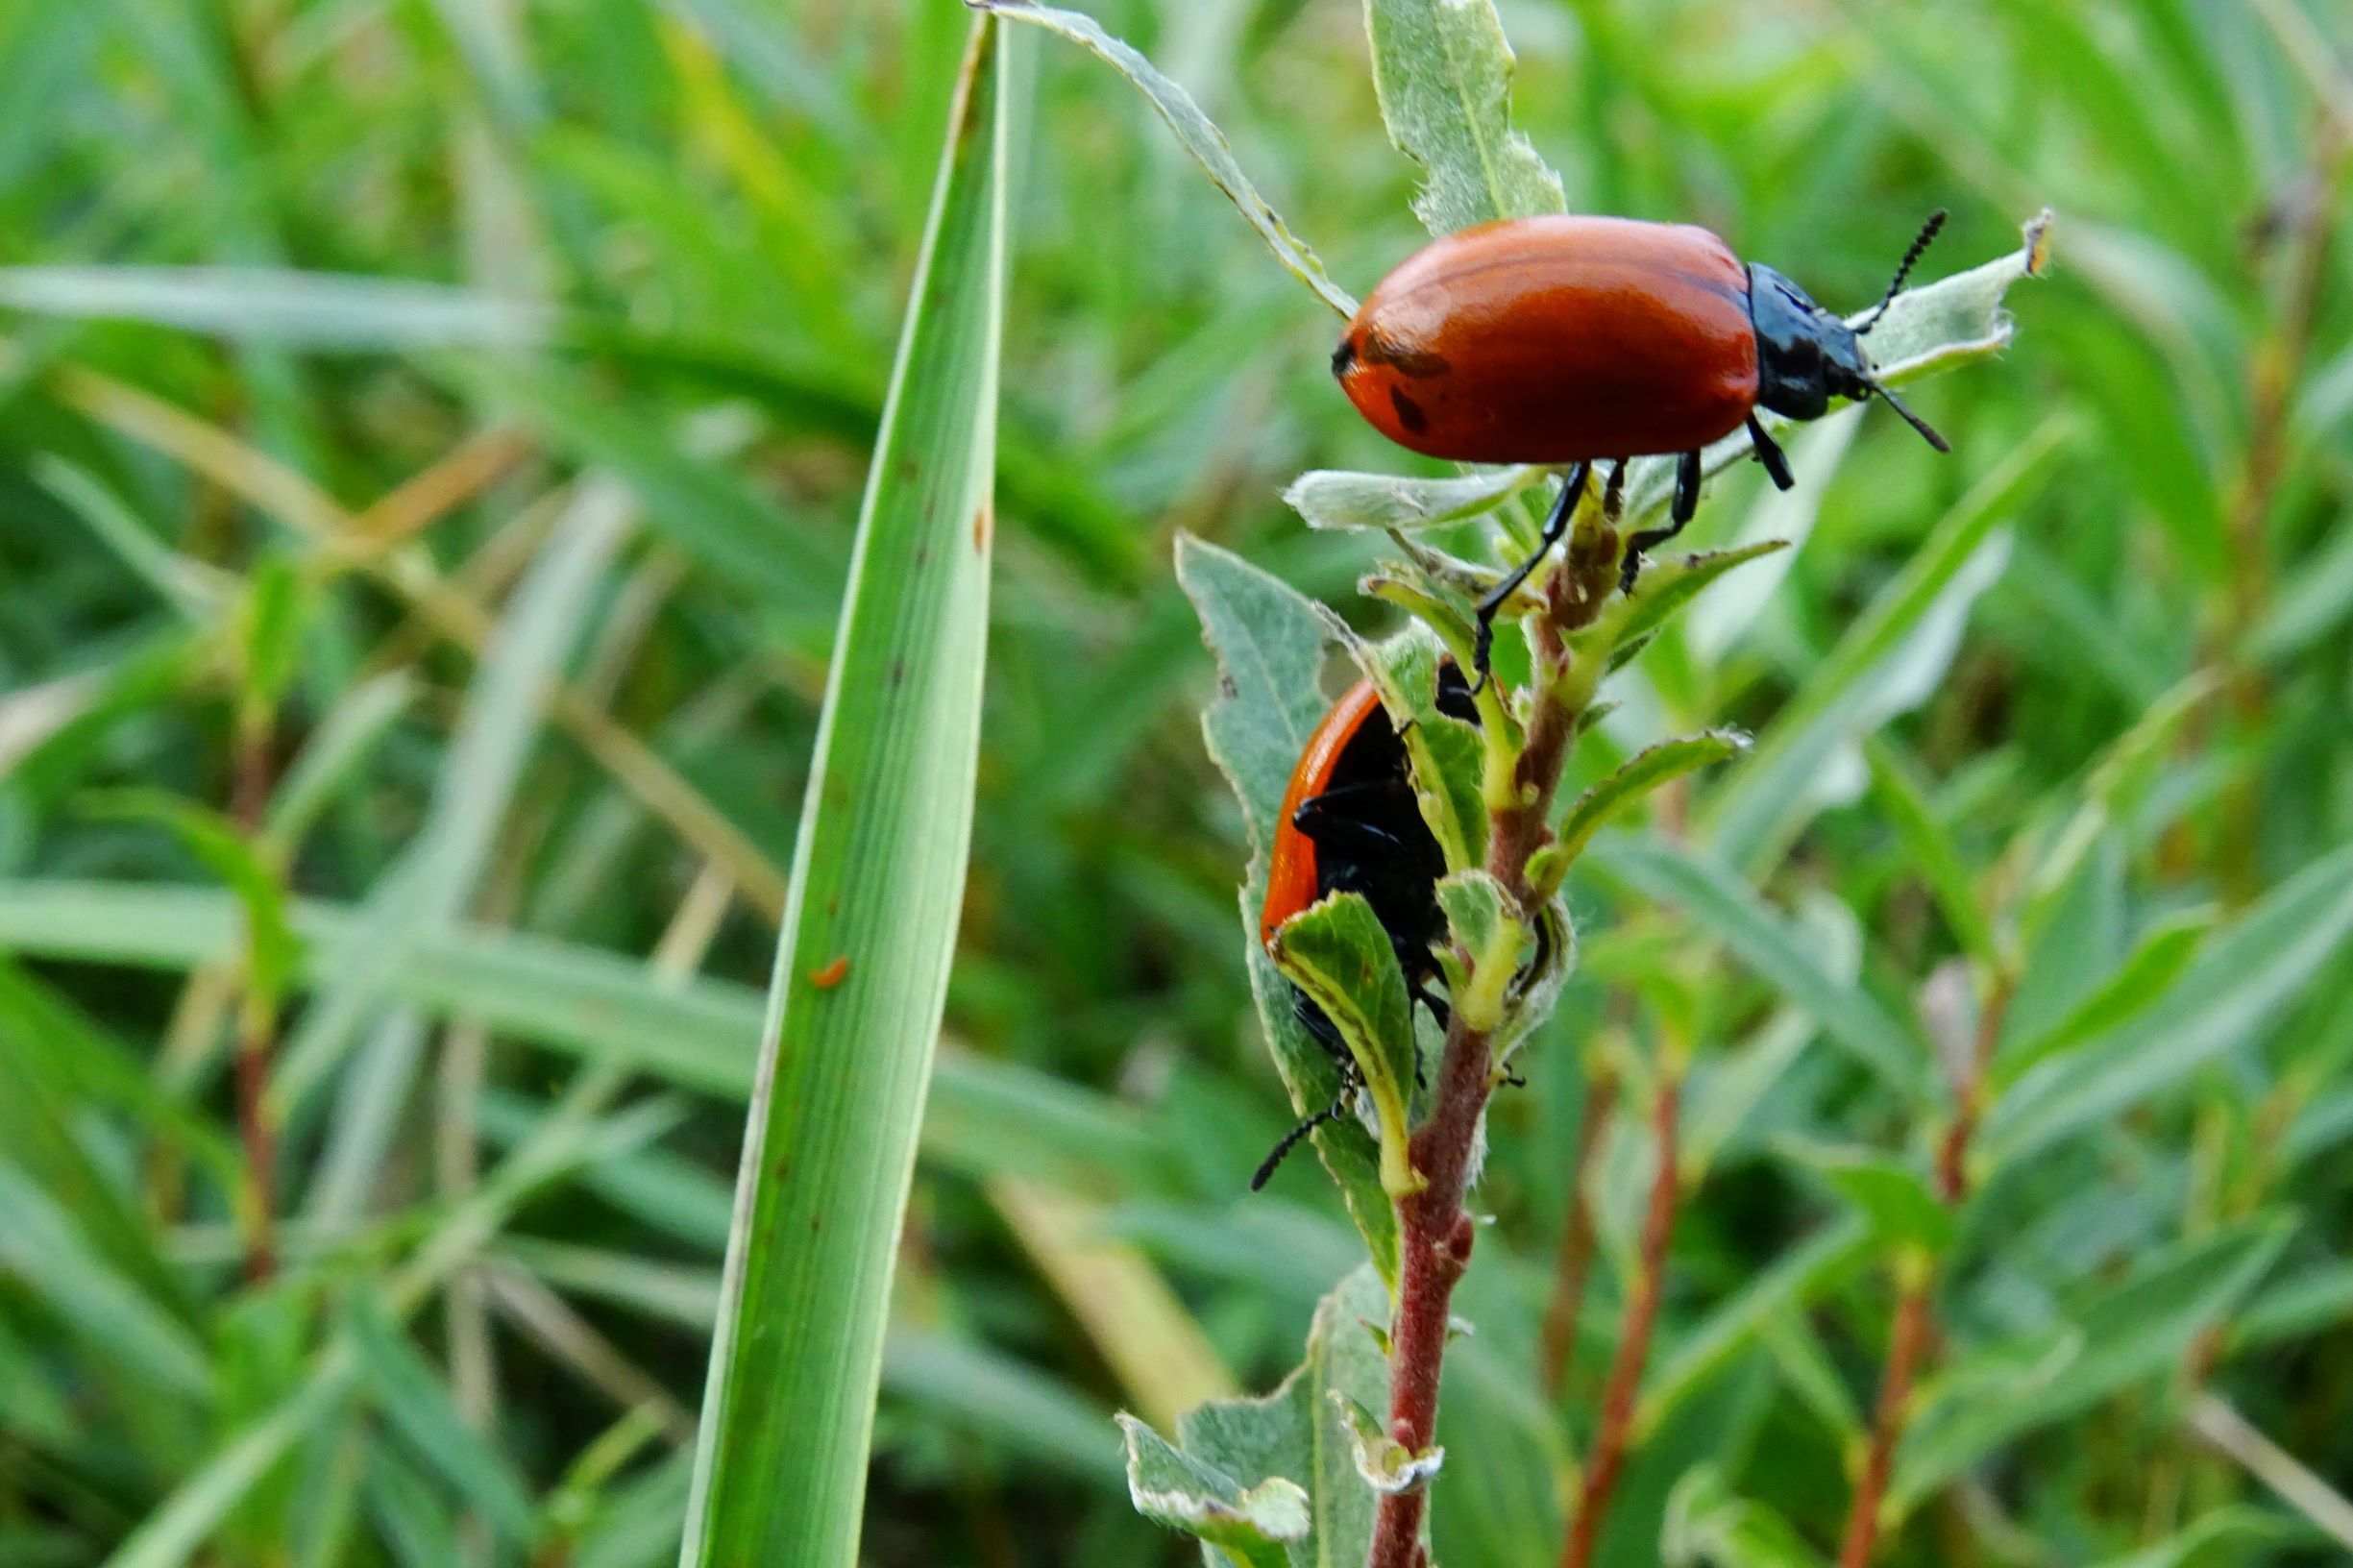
column 861, row 976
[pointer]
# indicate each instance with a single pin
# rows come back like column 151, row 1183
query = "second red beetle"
column 1574, row 340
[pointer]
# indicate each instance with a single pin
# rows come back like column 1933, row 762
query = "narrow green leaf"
column 1443, row 72
column 1194, row 132
column 270, row 629
column 272, row 949
column 2113, row 787
column 2147, row 974
column 188, row 585
column 1732, row 913
column 318, row 310
column 1792, row 1281
column 334, row 754
column 2134, row 1330
column 2237, row 1532
column 1929, row 849
column 2246, row 975
column 417, row 1403
column 177, row 1530
column 1892, row 1196
column 1336, row 498
column 1667, row 586
column 59, row 1069
column 1856, row 688
column 879, row 872
column 985, row 1118
column 1647, row 770
column 44, row 1253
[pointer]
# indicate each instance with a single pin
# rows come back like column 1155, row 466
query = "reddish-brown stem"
column 1557, row 1349
column 1434, row 1233
column 1915, row 1322
column 249, row 795
column 1613, row 1436
column 1904, row 1341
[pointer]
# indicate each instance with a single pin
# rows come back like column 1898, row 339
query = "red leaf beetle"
column 1350, row 824
column 1577, row 339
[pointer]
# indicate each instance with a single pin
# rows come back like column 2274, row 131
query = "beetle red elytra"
column 1574, row 340
column 1350, row 824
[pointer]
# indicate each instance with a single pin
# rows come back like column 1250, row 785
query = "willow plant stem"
column 1915, row 1321
column 249, row 800
column 1908, row 1336
column 1614, row 1436
column 1434, row 1233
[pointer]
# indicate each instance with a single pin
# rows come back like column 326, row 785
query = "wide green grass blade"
column 861, row 975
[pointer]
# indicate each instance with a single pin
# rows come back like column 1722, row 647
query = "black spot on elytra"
column 1409, row 413
column 1344, row 357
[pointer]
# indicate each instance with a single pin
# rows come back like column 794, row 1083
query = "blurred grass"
column 649, row 256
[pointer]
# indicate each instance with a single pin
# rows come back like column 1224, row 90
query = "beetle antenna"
column 1904, row 270
column 1927, row 432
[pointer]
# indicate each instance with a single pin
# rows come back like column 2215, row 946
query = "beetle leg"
column 1686, row 502
column 1769, row 453
column 1687, row 490
column 1572, row 490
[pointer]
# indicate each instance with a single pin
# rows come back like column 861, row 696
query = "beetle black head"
column 1805, row 355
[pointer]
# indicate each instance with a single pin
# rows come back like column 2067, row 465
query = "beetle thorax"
column 1804, row 355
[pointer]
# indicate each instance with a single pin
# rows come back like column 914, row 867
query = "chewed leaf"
column 1170, row 1487
column 1195, row 131
column 1543, row 970
column 1339, row 499
column 1959, row 317
column 1260, row 1458
column 1443, row 72
column 1339, row 954
column 1644, row 772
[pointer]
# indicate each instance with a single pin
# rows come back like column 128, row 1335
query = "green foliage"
column 525, row 363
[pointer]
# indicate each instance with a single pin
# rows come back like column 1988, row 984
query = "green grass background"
column 588, row 398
